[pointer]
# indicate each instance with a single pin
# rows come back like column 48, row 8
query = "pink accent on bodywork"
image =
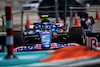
column 61, row 24
column 39, row 46
column 31, row 26
column 15, row 49
column 53, row 45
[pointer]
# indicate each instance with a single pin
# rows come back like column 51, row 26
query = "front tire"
column 18, row 38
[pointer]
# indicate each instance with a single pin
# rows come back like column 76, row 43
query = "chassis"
column 46, row 33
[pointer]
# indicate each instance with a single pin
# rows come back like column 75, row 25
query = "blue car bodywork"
column 44, row 33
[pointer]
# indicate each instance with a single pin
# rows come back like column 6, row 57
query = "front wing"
column 39, row 46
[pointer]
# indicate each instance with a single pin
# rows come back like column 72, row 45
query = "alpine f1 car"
column 47, row 34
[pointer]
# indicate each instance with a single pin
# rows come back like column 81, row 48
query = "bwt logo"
column 61, row 45
column 92, row 42
column 26, row 48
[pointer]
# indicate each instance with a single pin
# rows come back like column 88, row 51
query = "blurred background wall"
column 16, row 4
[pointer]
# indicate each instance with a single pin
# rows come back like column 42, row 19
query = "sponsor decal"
column 23, row 48
column 68, row 44
column 46, row 38
column 38, row 46
column 45, row 32
column 92, row 42
column 61, row 45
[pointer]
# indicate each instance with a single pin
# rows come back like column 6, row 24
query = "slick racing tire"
column 78, row 37
column 18, row 38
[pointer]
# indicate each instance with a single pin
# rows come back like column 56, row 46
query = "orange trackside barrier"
column 76, row 20
column 28, row 21
column 97, row 14
column 59, row 20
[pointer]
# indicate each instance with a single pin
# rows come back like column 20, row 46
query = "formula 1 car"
column 45, row 33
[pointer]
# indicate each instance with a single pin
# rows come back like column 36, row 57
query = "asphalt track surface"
column 31, row 59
